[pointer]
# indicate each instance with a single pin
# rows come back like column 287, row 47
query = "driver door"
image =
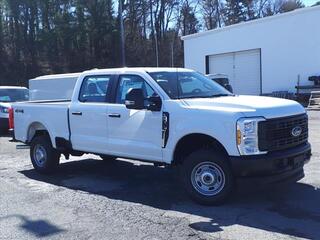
column 134, row 133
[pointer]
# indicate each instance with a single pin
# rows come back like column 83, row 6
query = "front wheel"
column 207, row 177
column 44, row 157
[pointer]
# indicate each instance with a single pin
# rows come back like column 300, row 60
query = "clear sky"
column 309, row 2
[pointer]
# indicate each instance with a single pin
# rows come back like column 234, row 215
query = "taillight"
column 11, row 118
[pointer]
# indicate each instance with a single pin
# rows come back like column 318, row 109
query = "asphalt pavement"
column 91, row 199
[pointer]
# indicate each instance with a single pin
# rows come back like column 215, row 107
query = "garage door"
column 243, row 69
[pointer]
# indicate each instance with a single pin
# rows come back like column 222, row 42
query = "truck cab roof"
column 137, row 69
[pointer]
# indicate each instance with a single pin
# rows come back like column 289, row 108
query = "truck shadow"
column 290, row 209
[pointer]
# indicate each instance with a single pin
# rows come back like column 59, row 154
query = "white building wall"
column 289, row 43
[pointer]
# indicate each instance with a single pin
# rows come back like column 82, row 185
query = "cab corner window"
column 94, row 89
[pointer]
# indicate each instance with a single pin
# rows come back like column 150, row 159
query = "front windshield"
column 14, row 95
column 179, row 85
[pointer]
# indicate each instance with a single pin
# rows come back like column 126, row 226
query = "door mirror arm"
column 155, row 103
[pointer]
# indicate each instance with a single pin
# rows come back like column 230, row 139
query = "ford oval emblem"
column 296, row 131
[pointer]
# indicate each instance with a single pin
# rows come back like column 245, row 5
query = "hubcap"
column 40, row 155
column 208, row 178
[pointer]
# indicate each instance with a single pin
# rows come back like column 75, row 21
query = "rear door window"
column 95, row 89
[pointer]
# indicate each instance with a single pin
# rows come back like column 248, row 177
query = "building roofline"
column 259, row 20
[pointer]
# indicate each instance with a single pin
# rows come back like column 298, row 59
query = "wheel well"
column 36, row 129
column 193, row 142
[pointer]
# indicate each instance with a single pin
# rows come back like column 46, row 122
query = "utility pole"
column 154, row 34
column 172, row 49
column 218, row 13
column 172, row 54
column 123, row 54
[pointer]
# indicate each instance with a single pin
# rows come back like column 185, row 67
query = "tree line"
column 40, row 37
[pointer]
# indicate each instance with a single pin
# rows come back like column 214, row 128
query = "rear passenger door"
column 88, row 116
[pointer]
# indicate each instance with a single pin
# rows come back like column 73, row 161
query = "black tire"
column 108, row 158
column 215, row 171
column 51, row 156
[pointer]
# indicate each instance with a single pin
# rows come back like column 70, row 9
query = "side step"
column 19, row 147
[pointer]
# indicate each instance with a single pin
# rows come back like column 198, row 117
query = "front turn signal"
column 239, row 136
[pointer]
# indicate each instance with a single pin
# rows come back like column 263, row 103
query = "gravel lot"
column 90, row 199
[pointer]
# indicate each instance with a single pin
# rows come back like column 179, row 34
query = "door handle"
column 77, row 113
column 114, row 115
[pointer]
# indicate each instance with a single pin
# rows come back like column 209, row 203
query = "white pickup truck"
column 172, row 117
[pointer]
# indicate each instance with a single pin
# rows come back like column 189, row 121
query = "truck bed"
column 46, row 115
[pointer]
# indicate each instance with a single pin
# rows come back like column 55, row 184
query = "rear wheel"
column 44, row 157
column 207, row 177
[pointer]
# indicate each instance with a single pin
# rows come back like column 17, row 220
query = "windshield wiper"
column 221, row 95
column 192, row 97
column 209, row 96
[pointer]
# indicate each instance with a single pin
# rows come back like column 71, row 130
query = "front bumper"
column 4, row 123
column 280, row 166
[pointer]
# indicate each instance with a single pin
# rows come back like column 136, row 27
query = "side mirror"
column 135, row 99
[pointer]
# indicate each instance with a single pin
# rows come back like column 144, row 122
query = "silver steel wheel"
column 39, row 155
column 208, row 178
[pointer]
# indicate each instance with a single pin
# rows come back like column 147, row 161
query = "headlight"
column 247, row 136
column 4, row 109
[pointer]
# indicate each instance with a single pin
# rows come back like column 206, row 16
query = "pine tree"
column 234, row 12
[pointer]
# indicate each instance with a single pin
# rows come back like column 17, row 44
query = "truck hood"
column 250, row 106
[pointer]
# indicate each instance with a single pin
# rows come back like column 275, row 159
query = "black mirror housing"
column 135, row 99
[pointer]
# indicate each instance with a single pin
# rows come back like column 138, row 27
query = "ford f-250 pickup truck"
column 172, row 117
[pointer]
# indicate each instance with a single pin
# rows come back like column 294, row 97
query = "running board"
column 19, row 147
